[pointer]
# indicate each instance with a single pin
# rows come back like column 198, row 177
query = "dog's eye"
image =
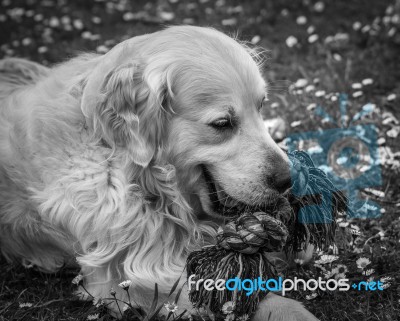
column 263, row 103
column 221, row 123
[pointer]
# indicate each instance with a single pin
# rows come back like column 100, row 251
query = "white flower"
column 299, row 261
column 92, row 316
column 78, row 279
column 368, row 272
column 125, row 284
column 171, row 307
column 341, row 268
column 343, row 224
column 325, row 259
column 243, row 317
column 312, row 296
column 228, row 307
column 25, row 305
column 386, row 279
column 291, row 41
column 362, row 262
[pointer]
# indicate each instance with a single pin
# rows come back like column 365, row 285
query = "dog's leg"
column 277, row 308
column 272, row 308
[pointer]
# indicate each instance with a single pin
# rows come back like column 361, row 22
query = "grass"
column 40, row 30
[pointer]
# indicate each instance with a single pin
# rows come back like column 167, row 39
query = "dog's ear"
column 130, row 114
column 124, row 110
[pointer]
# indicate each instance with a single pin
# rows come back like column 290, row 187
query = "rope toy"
column 280, row 226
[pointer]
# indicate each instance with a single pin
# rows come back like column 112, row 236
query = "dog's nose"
column 285, row 176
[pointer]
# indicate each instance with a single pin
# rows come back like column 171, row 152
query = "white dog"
column 111, row 160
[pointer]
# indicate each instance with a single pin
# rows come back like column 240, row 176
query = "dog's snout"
column 282, row 181
column 285, row 176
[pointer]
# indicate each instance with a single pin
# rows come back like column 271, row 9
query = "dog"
column 114, row 161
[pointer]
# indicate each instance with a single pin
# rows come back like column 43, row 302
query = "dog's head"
column 190, row 97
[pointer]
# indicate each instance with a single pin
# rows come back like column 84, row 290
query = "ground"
column 315, row 51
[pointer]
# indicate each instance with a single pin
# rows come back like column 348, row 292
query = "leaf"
column 155, row 299
column 180, row 315
column 169, row 315
column 174, row 287
column 178, row 294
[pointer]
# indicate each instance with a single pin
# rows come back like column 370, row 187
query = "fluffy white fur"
column 100, row 158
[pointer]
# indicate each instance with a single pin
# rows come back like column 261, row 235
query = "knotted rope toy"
column 281, row 226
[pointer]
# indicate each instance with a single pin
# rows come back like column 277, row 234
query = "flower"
column 113, row 292
column 243, row 317
column 125, row 284
column 78, row 279
column 171, row 307
column 368, row 272
column 299, row 261
column 25, row 305
column 228, row 307
column 92, row 316
column 340, row 269
column 312, row 296
column 362, row 262
column 325, row 259
column 230, row 317
column 386, row 281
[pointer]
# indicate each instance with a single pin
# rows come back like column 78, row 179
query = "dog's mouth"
column 221, row 202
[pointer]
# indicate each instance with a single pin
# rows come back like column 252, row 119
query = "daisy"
column 125, row 284
column 386, row 280
column 362, row 262
column 325, row 259
column 78, row 279
column 243, row 317
column 228, row 307
column 312, row 296
column 25, row 305
column 341, row 268
column 368, row 272
column 171, row 307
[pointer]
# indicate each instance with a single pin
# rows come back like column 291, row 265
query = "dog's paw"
column 277, row 308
